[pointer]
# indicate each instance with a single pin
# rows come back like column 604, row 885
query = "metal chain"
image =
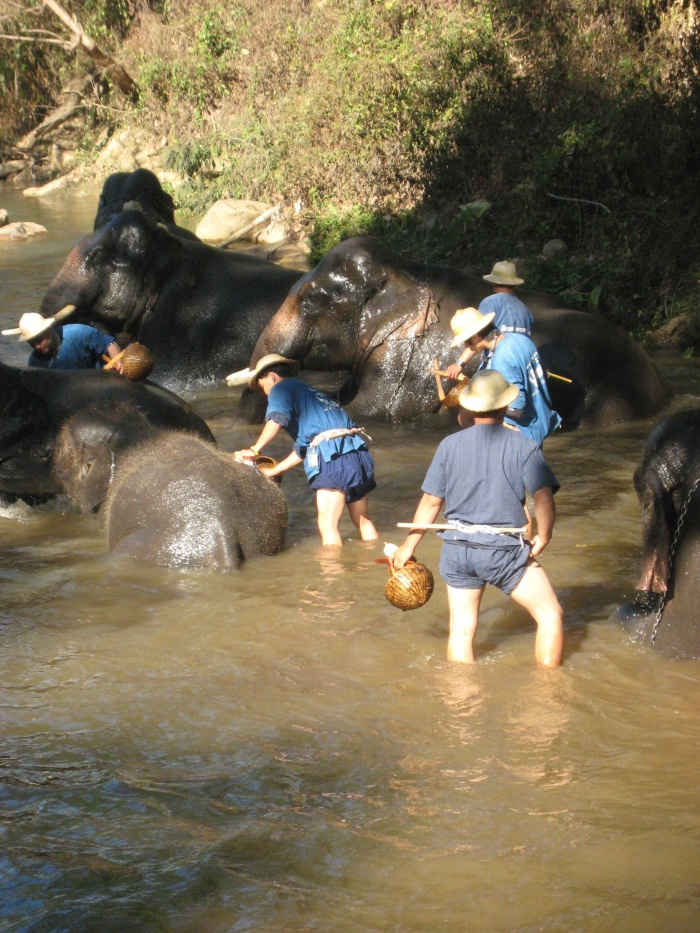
column 672, row 555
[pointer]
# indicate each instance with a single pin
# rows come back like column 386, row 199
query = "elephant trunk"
column 286, row 333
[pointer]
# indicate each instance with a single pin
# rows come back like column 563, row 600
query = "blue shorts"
column 469, row 568
column 351, row 473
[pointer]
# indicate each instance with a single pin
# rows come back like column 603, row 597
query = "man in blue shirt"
column 515, row 356
column 332, row 448
column 71, row 346
column 510, row 314
column 480, row 476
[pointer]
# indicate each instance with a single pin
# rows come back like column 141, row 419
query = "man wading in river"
column 332, row 448
column 480, row 475
column 515, row 356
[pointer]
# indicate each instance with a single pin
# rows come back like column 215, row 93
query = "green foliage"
column 458, row 132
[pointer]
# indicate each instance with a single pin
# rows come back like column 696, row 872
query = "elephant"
column 36, row 403
column 197, row 308
column 176, row 501
column 385, row 320
column 664, row 610
column 89, row 448
column 138, row 190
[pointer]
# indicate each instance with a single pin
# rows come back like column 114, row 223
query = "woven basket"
column 410, row 587
column 136, row 361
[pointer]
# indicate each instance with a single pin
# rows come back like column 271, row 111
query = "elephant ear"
column 403, row 310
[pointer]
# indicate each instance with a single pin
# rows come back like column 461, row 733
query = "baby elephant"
column 177, row 501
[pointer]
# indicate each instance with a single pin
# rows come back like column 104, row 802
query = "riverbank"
column 458, row 134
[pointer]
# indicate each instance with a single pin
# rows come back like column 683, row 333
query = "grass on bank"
column 460, row 132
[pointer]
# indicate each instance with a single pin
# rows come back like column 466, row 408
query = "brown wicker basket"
column 136, row 361
column 410, row 587
column 262, row 460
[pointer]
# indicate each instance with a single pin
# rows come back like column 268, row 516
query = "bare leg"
column 464, row 616
column 360, row 516
column 536, row 594
column 329, row 506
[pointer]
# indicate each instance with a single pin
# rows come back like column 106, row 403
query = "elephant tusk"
column 65, row 312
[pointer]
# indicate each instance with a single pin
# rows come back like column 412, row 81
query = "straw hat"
column 32, row 324
column 466, row 322
column 503, row 273
column 488, row 391
column 250, row 376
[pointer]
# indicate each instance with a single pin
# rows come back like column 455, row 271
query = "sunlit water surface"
column 281, row 749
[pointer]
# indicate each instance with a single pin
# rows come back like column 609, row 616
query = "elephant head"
column 664, row 610
column 89, row 448
column 663, row 481
column 140, row 187
column 113, row 276
column 347, row 306
column 35, row 404
column 198, row 309
column 138, row 190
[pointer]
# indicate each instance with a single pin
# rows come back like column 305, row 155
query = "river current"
column 281, row 749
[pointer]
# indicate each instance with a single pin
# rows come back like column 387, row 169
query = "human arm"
column 269, row 431
column 426, row 512
column 455, row 370
column 291, row 460
column 113, row 349
column 544, row 516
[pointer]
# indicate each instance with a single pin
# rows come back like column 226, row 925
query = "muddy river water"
column 281, row 749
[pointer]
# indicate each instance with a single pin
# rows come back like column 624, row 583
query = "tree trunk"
column 113, row 69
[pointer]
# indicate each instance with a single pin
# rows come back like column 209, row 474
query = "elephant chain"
column 672, row 554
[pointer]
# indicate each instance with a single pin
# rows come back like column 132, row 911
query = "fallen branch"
column 261, row 218
column 74, row 103
column 559, row 197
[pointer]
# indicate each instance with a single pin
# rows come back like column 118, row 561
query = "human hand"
column 537, row 545
column 246, row 453
column 453, row 371
column 401, row 556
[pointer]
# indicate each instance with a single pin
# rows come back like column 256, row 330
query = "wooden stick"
column 557, row 376
column 427, row 526
column 113, row 360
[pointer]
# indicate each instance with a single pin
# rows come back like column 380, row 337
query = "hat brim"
column 467, row 334
column 502, row 401
column 240, row 378
column 495, row 280
column 12, row 332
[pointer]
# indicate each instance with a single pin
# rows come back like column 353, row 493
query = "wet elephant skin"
column 198, row 309
column 138, row 190
column 385, row 320
column 667, row 482
column 178, row 502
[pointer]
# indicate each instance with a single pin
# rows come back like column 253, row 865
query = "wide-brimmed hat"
column 466, row 322
column 503, row 273
column 488, row 391
column 33, row 325
column 250, row 376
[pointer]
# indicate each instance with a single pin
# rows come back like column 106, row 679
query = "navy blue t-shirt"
column 483, row 473
column 305, row 412
column 81, row 348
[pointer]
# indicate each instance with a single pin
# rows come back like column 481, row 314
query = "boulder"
column 20, row 230
column 230, row 219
